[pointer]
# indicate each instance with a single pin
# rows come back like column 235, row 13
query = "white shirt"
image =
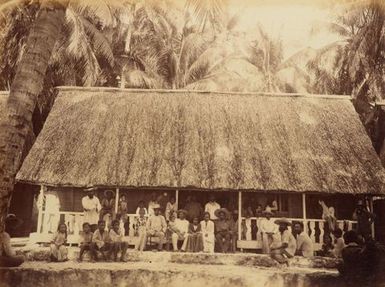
column 268, row 225
column 210, row 207
column 91, row 215
column 52, row 203
column 181, row 225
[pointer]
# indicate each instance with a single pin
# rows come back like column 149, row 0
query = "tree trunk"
column 25, row 88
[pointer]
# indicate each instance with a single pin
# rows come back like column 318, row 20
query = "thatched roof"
column 149, row 138
column 3, row 101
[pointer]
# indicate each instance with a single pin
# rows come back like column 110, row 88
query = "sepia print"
column 192, row 143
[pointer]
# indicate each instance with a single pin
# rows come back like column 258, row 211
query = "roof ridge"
column 160, row 91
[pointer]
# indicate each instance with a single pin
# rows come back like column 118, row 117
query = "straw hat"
column 91, row 188
column 182, row 211
column 106, row 192
column 283, row 221
column 220, row 210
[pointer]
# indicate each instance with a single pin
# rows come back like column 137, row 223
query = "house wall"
column 23, row 205
column 344, row 205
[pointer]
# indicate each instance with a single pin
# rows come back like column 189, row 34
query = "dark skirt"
column 194, row 242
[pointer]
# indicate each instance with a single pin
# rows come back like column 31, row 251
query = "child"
column 85, row 240
column 117, row 243
column 246, row 226
column 194, row 238
column 327, row 247
column 122, row 208
column 339, row 243
column 170, row 208
column 140, row 230
column 141, row 207
column 100, row 241
column 58, row 249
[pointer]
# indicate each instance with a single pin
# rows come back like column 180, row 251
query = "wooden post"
column 40, row 215
column 116, row 200
column 304, row 212
column 239, row 215
column 177, row 199
column 372, row 211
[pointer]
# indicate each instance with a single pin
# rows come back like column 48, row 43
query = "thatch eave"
column 161, row 139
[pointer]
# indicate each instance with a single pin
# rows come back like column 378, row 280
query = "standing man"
column 193, row 208
column 211, row 207
column 156, row 226
column 268, row 229
column 364, row 219
column 91, row 207
column 304, row 244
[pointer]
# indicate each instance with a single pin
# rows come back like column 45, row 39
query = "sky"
column 292, row 21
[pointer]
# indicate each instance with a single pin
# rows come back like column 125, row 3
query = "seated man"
column 179, row 230
column 85, row 240
column 101, row 241
column 8, row 257
column 284, row 243
column 117, row 242
column 157, row 226
column 223, row 230
column 304, row 244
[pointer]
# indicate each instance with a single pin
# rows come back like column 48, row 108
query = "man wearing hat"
column 180, row 230
column 284, row 245
column 223, row 230
column 156, row 226
column 364, row 219
column 8, row 257
column 268, row 228
column 91, row 207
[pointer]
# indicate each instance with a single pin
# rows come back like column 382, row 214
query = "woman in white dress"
column 207, row 227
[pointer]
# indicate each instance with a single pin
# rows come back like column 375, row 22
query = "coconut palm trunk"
column 25, row 88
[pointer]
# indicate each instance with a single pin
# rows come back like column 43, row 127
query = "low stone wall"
column 138, row 274
column 238, row 259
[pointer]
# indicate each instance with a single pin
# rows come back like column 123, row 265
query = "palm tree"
column 25, row 88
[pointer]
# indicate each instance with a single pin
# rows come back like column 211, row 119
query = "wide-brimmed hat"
column 220, row 210
column 182, row 211
column 156, row 206
column 107, row 191
column 90, row 188
column 283, row 221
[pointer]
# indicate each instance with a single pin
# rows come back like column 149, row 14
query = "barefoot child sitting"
column 117, row 243
column 101, row 241
column 58, row 249
column 85, row 240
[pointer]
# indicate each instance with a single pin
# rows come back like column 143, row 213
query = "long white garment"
column 91, row 209
column 208, row 236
